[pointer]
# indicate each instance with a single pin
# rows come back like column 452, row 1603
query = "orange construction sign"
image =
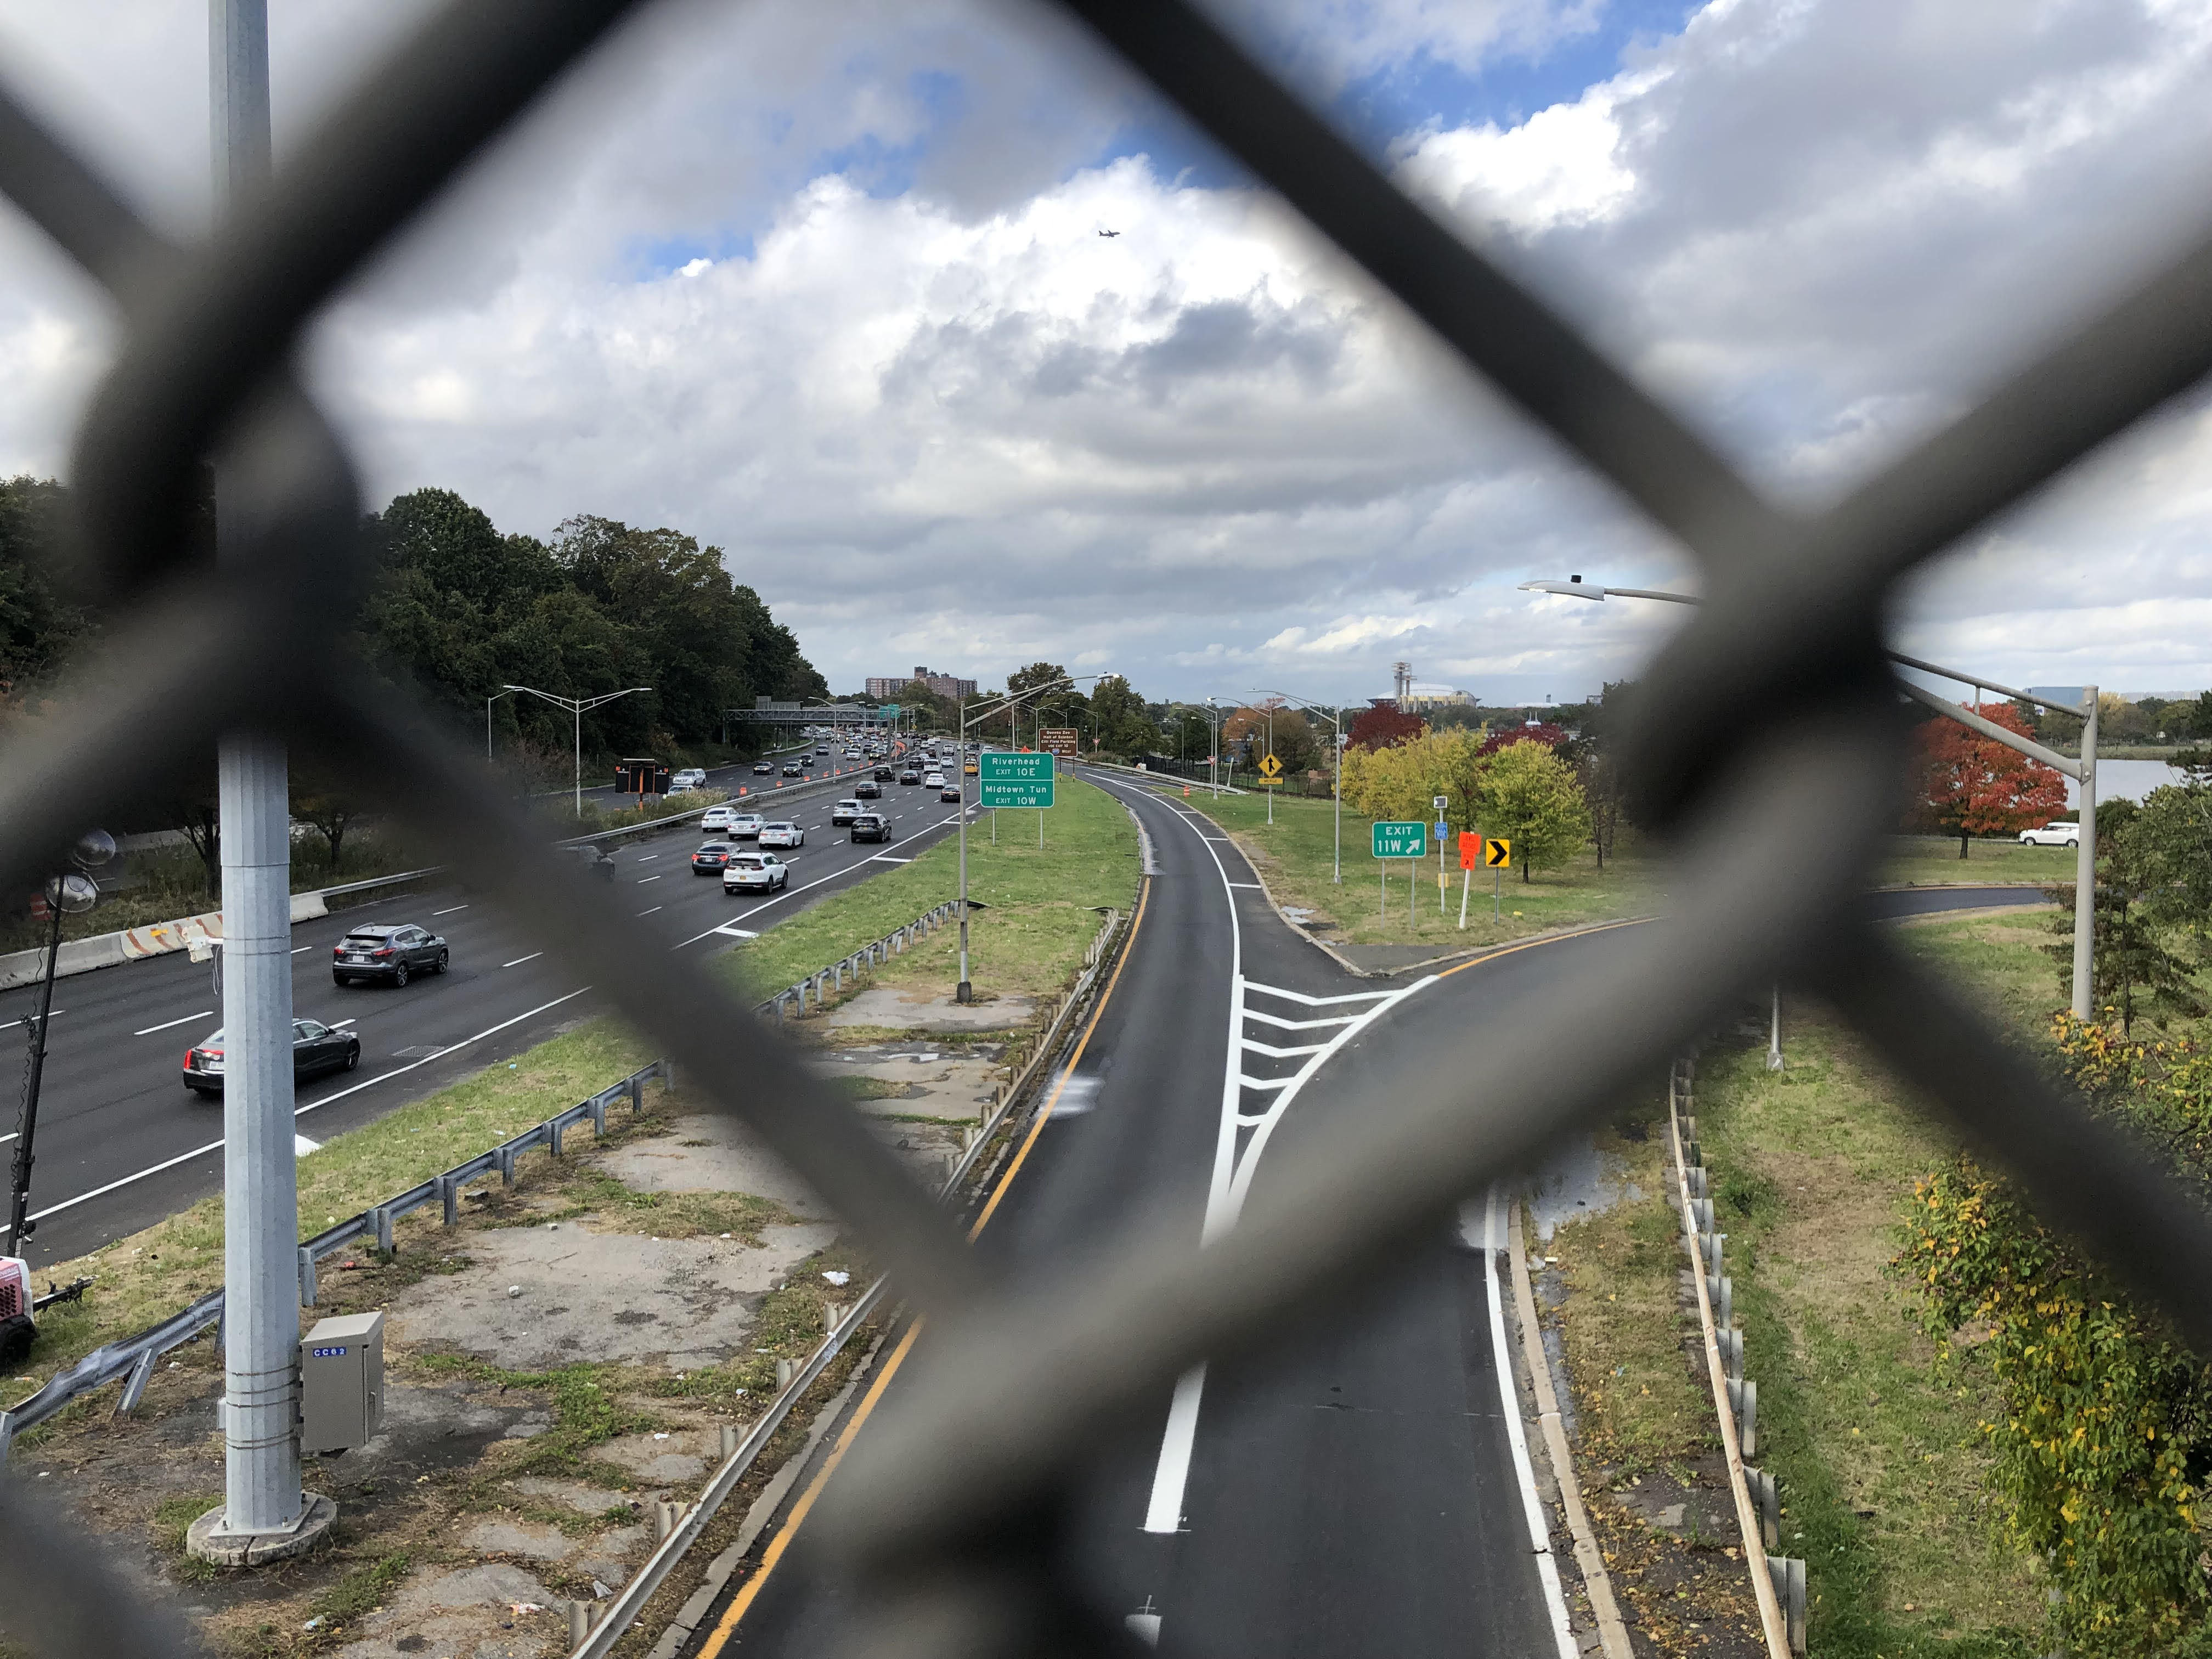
column 1470, row 850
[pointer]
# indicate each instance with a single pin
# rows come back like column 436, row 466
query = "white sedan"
column 744, row 826
column 934, row 779
column 2052, row 834
column 782, row 833
column 718, row 818
column 755, row 871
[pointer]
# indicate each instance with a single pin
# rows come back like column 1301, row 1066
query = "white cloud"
column 830, row 293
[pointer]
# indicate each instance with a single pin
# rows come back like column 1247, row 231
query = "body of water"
column 2131, row 779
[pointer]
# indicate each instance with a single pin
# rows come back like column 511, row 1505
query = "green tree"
column 1124, row 723
column 40, row 623
column 1528, row 794
column 2134, row 971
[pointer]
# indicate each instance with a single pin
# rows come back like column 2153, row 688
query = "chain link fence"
column 945, row 1518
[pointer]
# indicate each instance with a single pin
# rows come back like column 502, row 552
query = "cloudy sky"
column 824, row 286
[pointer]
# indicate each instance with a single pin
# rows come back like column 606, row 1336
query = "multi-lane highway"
column 121, row 1142
column 1363, row 1489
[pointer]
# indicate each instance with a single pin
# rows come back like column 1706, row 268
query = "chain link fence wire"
column 946, row 1519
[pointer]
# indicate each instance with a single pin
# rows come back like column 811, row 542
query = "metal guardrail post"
column 553, row 1136
column 306, row 1276
column 382, row 1213
column 449, row 1199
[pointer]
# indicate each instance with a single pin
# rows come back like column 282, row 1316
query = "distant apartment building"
column 941, row 685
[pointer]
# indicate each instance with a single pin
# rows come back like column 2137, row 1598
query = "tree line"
column 456, row 611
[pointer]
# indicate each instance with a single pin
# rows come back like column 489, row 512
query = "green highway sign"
column 1004, row 779
column 1401, row 841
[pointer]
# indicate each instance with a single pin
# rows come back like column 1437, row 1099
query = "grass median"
column 1295, row 855
column 1934, row 860
column 1039, row 907
column 150, row 1275
column 1885, row 1470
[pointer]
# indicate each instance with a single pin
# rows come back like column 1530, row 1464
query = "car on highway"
column 781, row 832
column 316, row 1048
column 717, row 818
column 871, row 826
column 710, row 860
column 933, row 779
column 791, row 768
column 597, row 860
column 845, row 811
column 2052, row 834
column 868, row 789
column 691, row 777
column 911, row 775
column 745, row 826
column 883, row 775
column 395, row 951
column 949, row 792
column 750, row 871
column 763, row 768
column 969, row 770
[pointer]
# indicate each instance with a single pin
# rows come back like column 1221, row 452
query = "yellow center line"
column 743, row 1601
column 1531, row 943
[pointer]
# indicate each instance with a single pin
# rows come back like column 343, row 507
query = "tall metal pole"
column 34, row 1068
column 579, row 709
column 2085, row 868
column 1336, row 732
column 261, row 1221
column 966, row 992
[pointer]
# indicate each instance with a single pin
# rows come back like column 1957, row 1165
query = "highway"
column 121, row 1143
column 1361, row 1489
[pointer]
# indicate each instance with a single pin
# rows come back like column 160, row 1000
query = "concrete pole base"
column 206, row 1540
column 966, row 993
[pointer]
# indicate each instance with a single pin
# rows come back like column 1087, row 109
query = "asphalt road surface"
column 122, row 1142
column 1357, row 1490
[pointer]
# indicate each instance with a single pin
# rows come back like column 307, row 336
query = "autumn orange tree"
column 1969, row 784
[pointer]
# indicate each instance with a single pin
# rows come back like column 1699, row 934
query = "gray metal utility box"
column 341, row 1383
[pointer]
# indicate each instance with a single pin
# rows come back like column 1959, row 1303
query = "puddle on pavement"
column 1576, row 1180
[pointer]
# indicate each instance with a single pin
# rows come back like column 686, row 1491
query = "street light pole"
column 966, row 991
column 1336, row 727
column 488, row 701
column 70, row 894
column 2083, row 771
column 578, row 707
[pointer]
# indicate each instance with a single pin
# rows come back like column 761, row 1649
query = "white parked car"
column 755, row 871
column 718, row 818
column 2052, row 834
column 781, row 832
column 745, row 826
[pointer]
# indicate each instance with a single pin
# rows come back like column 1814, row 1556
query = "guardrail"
column 1151, row 776
column 1777, row 1582
column 830, row 981
column 131, row 1360
column 594, row 1630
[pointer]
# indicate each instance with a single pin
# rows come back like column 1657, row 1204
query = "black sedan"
column 867, row 789
column 710, row 860
column 316, row 1048
column 763, row 768
column 871, row 826
column 791, row 768
column 397, row 950
column 881, row 774
column 950, row 793
column 910, row 776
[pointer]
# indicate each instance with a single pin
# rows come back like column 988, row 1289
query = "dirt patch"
column 712, row 1153
column 540, row 1296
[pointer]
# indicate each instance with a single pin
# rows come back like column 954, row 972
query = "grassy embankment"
column 1883, row 1468
column 1295, row 855
column 1040, row 908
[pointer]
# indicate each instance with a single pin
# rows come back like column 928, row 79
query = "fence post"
column 449, row 1196
column 382, row 1212
column 506, row 1156
column 600, row 1114
column 553, row 1135
column 306, row 1277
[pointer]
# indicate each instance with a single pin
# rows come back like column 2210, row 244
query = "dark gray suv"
column 397, row 950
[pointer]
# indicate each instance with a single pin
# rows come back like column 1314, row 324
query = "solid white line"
column 1267, row 1082
column 1318, row 1002
column 301, row 1111
column 1164, row 1512
column 166, row 1024
column 518, row 961
column 1532, row 1508
column 885, row 857
column 1301, row 1025
column 1253, row 885
column 298, row 948
column 449, row 909
column 53, row 1013
column 1259, row 1047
